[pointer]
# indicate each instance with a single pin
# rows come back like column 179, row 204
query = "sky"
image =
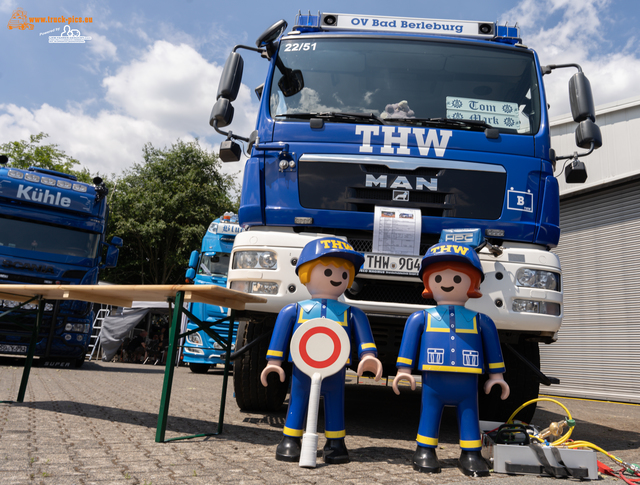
column 149, row 72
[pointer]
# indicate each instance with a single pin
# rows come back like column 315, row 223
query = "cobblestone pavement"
column 97, row 425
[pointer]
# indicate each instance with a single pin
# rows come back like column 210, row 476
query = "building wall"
column 597, row 354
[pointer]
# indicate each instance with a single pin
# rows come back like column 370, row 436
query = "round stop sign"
column 320, row 346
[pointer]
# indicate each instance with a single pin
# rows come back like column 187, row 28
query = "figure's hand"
column 272, row 366
column 403, row 373
column 369, row 363
column 497, row 379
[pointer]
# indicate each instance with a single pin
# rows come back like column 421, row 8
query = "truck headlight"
column 256, row 287
column 533, row 306
column 194, row 339
column 255, row 260
column 535, row 278
column 77, row 327
column 191, row 350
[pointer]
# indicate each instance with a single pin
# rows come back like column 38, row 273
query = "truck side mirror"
column 581, row 98
column 270, row 35
column 193, row 259
column 587, row 133
column 231, row 77
column 116, row 241
column 291, row 82
column 111, row 260
column 222, row 113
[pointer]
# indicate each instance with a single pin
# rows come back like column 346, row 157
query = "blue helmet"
column 330, row 246
column 451, row 252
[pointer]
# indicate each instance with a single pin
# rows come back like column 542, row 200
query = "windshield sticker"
column 499, row 114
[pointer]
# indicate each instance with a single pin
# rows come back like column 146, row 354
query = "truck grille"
column 365, row 245
column 385, row 291
column 437, row 192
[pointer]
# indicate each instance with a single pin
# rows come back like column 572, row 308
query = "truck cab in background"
column 388, row 130
column 52, row 231
column 210, row 266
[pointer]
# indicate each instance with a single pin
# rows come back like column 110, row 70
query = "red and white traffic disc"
column 320, row 346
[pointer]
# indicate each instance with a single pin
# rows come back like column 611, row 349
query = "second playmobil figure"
column 457, row 345
column 327, row 267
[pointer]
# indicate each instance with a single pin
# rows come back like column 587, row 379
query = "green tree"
column 25, row 154
column 162, row 208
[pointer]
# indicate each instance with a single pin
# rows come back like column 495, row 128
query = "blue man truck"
column 52, row 231
column 394, row 134
column 210, row 266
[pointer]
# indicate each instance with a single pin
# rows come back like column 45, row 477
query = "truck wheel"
column 251, row 395
column 523, row 383
column 199, row 368
column 80, row 361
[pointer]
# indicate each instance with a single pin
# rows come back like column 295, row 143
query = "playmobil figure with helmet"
column 456, row 346
column 327, row 267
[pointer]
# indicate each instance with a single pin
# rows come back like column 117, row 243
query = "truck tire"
column 199, row 368
column 522, row 381
column 80, row 361
column 250, row 394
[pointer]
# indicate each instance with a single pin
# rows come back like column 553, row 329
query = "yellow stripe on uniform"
column 332, row 435
column 404, row 360
column 427, row 441
column 435, row 329
column 496, row 366
column 297, row 433
column 470, row 444
column 447, row 368
column 274, row 353
column 368, row 346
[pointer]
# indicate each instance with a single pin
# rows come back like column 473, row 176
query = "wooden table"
column 124, row 296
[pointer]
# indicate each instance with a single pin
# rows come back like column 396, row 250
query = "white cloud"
column 165, row 95
column 101, row 46
column 8, row 5
column 576, row 36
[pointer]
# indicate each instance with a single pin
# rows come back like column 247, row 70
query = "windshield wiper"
column 337, row 116
column 464, row 123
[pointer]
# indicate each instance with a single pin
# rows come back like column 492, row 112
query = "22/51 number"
column 304, row 46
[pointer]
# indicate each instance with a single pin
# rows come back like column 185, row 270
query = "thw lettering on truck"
column 438, row 139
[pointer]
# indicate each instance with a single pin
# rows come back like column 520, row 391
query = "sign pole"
column 319, row 347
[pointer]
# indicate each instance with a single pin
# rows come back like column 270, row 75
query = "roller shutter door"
column 597, row 354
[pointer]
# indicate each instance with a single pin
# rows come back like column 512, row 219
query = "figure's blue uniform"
column 289, row 319
column 454, row 347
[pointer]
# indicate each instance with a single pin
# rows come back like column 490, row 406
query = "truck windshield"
column 406, row 81
column 217, row 264
column 44, row 238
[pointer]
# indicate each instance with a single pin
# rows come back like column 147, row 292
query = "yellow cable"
column 558, row 441
column 563, row 439
column 587, row 444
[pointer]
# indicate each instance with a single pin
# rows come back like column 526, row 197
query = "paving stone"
column 97, row 425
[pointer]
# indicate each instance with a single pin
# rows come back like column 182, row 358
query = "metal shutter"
column 597, row 354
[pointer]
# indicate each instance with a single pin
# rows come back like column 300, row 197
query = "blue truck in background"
column 210, row 266
column 440, row 124
column 52, row 231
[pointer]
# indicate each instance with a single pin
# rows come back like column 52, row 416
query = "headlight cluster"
column 191, row 350
column 255, row 260
column 535, row 278
column 48, row 307
column 533, row 306
column 256, row 287
column 77, row 327
column 194, row 339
